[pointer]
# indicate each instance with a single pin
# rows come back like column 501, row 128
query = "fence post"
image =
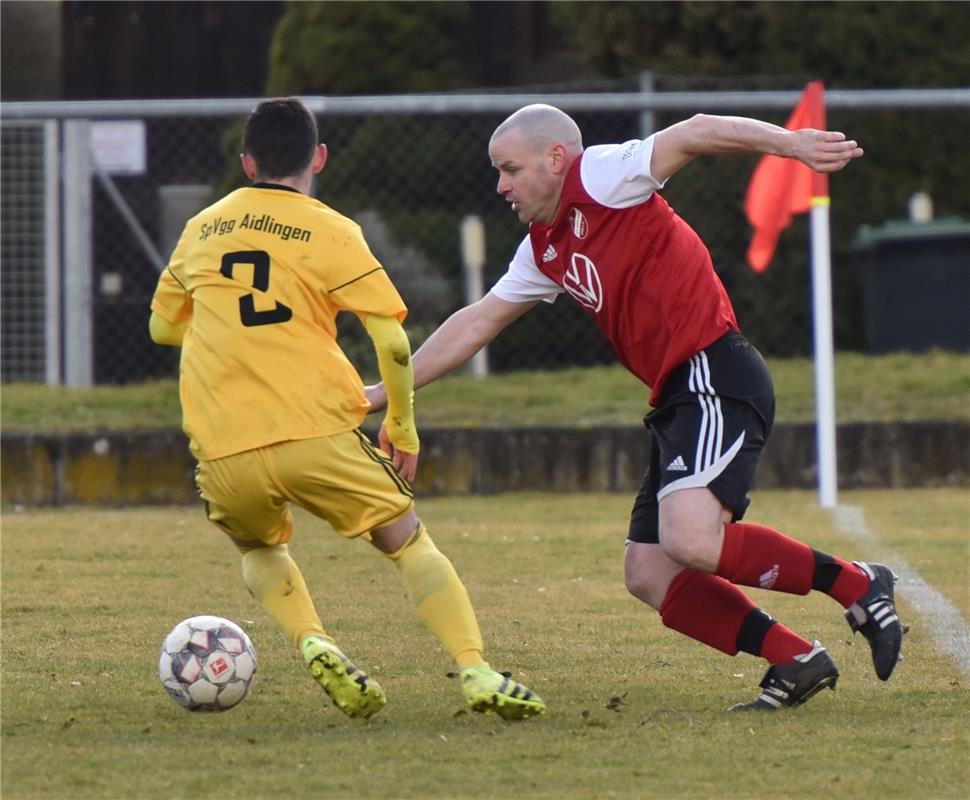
column 473, row 262
column 53, row 333
column 77, row 255
column 648, row 121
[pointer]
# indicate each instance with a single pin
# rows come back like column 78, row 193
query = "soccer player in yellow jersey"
column 272, row 407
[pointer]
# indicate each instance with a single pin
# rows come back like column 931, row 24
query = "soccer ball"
column 207, row 663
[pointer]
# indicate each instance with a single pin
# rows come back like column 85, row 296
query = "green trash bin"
column 916, row 285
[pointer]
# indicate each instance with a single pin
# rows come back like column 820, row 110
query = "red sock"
column 711, row 610
column 840, row 580
column 753, row 555
column 781, row 645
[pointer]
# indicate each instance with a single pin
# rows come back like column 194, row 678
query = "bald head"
column 542, row 126
column 533, row 151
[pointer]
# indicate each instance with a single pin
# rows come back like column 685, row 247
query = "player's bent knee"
column 640, row 588
column 263, row 567
column 391, row 538
column 678, row 549
column 690, row 549
column 647, row 584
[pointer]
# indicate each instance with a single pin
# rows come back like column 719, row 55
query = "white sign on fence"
column 118, row 147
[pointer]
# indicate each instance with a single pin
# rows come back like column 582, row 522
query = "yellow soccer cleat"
column 489, row 691
column 352, row 691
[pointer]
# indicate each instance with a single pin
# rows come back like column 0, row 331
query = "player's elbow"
column 390, row 339
column 398, row 347
column 399, row 353
column 697, row 133
column 484, row 321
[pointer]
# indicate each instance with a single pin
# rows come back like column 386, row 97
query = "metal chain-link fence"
column 25, row 252
column 409, row 179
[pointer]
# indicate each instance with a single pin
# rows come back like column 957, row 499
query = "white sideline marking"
column 945, row 623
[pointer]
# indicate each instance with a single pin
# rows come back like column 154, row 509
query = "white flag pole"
column 824, row 356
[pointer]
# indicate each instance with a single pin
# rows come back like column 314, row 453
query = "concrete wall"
column 155, row 467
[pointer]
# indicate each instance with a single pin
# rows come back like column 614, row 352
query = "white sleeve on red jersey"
column 523, row 282
column 618, row 175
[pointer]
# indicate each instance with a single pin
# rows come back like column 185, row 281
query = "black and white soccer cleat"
column 874, row 616
column 790, row 685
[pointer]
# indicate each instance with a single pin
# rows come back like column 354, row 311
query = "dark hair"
column 281, row 135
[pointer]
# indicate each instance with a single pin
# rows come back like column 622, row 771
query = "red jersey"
column 623, row 254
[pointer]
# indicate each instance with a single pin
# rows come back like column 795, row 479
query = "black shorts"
column 715, row 414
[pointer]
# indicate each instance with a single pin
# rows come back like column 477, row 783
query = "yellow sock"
column 276, row 582
column 440, row 598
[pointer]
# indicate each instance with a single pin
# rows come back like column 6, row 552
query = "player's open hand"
column 405, row 463
column 824, row 151
column 376, row 396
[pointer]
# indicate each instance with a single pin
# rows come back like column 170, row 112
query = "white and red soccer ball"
column 207, row 663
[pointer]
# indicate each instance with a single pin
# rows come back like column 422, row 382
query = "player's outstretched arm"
column 705, row 134
column 458, row 338
column 399, row 434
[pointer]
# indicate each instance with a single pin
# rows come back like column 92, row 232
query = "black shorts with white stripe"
column 714, row 417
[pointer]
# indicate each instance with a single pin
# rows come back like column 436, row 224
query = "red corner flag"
column 781, row 187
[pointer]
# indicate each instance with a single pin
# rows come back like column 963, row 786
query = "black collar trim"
column 262, row 185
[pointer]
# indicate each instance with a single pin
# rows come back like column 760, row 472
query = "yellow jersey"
column 260, row 276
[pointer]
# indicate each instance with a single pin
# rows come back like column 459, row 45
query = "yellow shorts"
column 343, row 479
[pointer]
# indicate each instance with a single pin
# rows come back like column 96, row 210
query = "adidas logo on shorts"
column 677, row 465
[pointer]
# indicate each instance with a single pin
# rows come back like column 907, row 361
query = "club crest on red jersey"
column 578, row 223
column 582, row 281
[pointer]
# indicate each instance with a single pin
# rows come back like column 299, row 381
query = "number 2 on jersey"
column 247, row 307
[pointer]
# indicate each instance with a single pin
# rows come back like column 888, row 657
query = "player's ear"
column 558, row 158
column 319, row 158
column 248, row 165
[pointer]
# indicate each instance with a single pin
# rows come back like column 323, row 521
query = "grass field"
column 868, row 388
column 634, row 710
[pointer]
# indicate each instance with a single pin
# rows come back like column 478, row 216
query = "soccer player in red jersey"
column 600, row 232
